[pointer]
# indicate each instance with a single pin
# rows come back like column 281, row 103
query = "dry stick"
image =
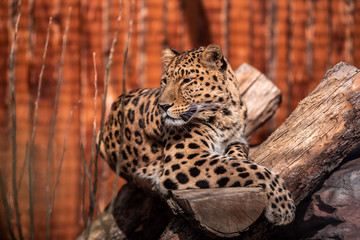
column 13, row 120
column 32, row 141
column 62, row 156
column 84, row 184
column 87, row 175
column 23, row 166
column 349, row 29
column 93, row 191
column 52, row 127
column 93, row 199
column 112, row 49
column 7, row 208
column 141, row 42
column 83, row 198
column 31, row 26
column 225, row 27
column 107, row 73
column 164, row 23
column 310, row 29
column 271, row 53
column 116, row 181
column 290, row 67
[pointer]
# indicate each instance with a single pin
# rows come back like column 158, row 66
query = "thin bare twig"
column 7, row 208
column 32, row 141
column 310, row 29
column 289, row 46
column 62, row 156
column 83, row 198
column 23, row 166
column 225, row 27
column 116, row 181
column 93, row 200
column 165, row 23
column 13, row 120
column 142, row 42
column 107, row 74
column 88, row 176
column 31, row 26
column 52, row 127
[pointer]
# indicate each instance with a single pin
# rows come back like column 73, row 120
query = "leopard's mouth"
column 171, row 121
column 184, row 118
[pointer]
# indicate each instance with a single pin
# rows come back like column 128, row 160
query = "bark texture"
column 261, row 96
column 320, row 132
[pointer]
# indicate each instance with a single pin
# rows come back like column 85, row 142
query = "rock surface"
column 333, row 212
column 337, row 203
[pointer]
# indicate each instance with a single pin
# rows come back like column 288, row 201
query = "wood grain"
column 261, row 96
column 318, row 134
column 223, row 212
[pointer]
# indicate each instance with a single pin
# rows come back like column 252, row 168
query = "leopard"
column 190, row 133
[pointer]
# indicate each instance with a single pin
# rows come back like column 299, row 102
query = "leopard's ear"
column 212, row 56
column 168, row 54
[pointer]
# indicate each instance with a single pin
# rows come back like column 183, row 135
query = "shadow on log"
column 321, row 131
column 138, row 214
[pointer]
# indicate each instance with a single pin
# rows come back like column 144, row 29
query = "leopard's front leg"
column 237, row 149
column 282, row 207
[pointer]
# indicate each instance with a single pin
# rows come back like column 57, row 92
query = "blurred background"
column 293, row 43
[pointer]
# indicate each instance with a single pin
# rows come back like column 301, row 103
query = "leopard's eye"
column 163, row 82
column 186, row 80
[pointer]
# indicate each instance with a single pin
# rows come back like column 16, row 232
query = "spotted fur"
column 189, row 133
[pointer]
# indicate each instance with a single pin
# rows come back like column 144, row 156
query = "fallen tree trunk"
column 321, row 131
column 309, row 144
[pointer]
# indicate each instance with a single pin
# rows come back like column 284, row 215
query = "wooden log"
column 141, row 214
column 179, row 228
column 133, row 205
column 321, row 131
column 261, row 96
column 224, row 212
column 104, row 227
column 312, row 142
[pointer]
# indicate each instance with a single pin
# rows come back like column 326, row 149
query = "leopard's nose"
column 165, row 106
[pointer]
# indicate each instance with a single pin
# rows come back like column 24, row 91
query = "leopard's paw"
column 280, row 210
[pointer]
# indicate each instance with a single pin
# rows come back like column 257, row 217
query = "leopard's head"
column 195, row 84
